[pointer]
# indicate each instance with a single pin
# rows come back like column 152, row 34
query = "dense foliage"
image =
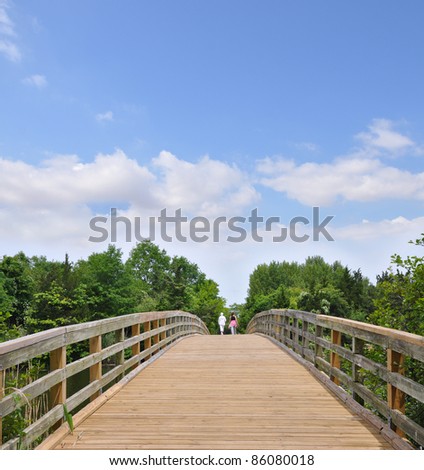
column 313, row 286
column 37, row 294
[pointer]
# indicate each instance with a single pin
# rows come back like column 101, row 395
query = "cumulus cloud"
column 207, row 187
column 65, row 180
column 360, row 176
column 8, row 46
column 37, row 81
column 373, row 230
column 6, row 25
column 52, row 203
column 382, row 135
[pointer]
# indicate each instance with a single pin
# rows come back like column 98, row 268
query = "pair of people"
column 233, row 323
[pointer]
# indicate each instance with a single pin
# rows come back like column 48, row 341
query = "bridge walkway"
column 224, row 392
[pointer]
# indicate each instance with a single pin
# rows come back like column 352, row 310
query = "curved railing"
column 133, row 341
column 356, row 358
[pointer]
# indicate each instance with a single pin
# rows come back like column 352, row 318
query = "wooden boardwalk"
column 224, row 392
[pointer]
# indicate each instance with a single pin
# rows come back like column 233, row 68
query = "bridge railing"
column 126, row 343
column 366, row 360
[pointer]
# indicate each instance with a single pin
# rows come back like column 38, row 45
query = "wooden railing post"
column 286, row 329
column 2, row 387
column 120, row 356
column 135, row 348
column 58, row 391
column 276, row 326
column 155, row 324
column 95, row 369
column 280, row 327
column 148, row 341
column 163, row 323
column 296, row 335
column 357, row 348
column 318, row 347
column 305, row 326
column 395, row 397
column 336, row 338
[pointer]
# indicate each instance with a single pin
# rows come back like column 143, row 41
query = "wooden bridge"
column 296, row 381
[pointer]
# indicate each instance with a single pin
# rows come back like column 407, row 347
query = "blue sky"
column 217, row 108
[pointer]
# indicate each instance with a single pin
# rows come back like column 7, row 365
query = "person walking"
column 233, row 323
column 221, row 322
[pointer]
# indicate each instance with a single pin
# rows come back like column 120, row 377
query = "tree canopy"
column 37, row 294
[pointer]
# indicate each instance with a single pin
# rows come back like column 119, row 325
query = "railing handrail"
column 302, row 333
column 160, row 330
column 326, row 320
column 66, row 335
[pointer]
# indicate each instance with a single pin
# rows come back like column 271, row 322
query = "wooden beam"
column 2, row 387
column 148, row 341
column 120, row 356
column 58, row 391
column 163, row 334
column 95, row 369
column 318, row 347
column 135, row 348
column 357, row 348
column 155, row 325
column 336, row 338
column 395, row 397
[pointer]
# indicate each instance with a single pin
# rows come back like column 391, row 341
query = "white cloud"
column 360, row 176
column 64, row 180
column 34, row 199
column 373, row 230
column 10, row 50
column 38, row 81
column 6, row 24
column 8, row 46
column 208, row 187
column 105, row 117
column 381, row 135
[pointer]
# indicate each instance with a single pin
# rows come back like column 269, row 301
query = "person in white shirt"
column 221, row 322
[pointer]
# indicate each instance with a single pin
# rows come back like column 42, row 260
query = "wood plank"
column 224, row 392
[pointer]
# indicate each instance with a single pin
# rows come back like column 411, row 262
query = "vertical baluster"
column 58, row 391
column 395, row 397
column 318, row 347
column 95, row 369
column 336, row 338
column 163, row 323
column 296, row 334
column 148, row 341
column 357, row 348
column 305, row 342
column 135, row 348
column 120, row 356
column 155, row 325
column 2, row 387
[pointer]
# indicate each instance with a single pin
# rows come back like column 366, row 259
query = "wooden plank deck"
column 224, row 392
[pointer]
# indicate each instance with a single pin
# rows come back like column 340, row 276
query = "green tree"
column 400, row 294
column 17, row 285
column 60, row 296
column 108, row 285
column 149, row 266
column 207, row 304
column 185, row 280
column 314, row 286
column 399, row 304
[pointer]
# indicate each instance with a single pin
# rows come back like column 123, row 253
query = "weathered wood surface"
column 327, row 342
column 224, row 392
